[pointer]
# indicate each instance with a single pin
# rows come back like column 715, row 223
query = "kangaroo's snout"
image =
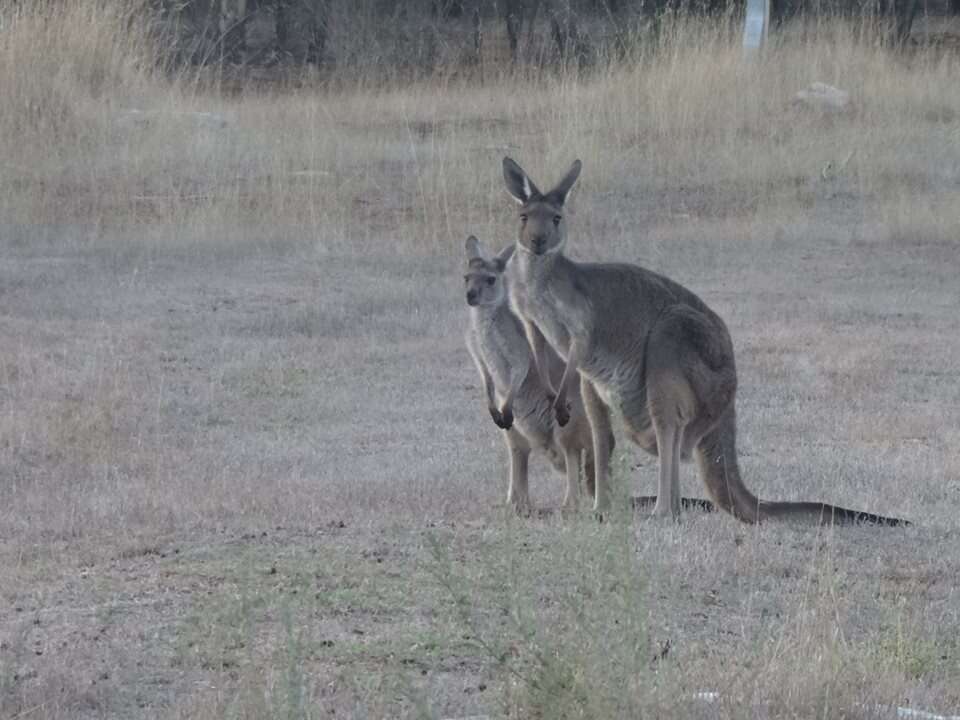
column 538, row 243
column 471, row 297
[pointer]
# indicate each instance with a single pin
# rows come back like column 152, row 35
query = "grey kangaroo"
column 644, row 345
column 517, row 399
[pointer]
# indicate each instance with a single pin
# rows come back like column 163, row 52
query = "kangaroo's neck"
column 481, row 315
column 484, row 317
column 539, row 270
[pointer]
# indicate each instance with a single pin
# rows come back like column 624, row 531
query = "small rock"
column 823, row 97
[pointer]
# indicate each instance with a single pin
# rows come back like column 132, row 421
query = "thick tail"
column 717, row 457
column 825, row 514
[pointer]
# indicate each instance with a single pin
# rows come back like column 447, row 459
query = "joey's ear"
column 518, row 182
column 500, row 261
column 562, row 190
column 473, row 248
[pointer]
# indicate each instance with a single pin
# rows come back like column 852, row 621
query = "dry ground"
column 245, row 467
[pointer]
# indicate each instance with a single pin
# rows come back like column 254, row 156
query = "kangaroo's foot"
column 570, row 506
column 521, row 507
column 666, row 510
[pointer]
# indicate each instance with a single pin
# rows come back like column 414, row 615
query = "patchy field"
column 245, row 466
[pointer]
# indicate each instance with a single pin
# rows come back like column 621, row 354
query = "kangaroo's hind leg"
column 602, row 434
column 679, row 388
column 518, row 493
column 669, row 437
column 571, row 498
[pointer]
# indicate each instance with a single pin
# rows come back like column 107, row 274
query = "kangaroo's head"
column 543, row 230
column 485, row 281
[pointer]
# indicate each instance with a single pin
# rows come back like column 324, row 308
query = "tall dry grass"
column 416, row 163
column 63, row 64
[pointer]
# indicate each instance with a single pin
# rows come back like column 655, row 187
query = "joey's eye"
column 491, row 280
column 556, row 219
column 466, row 278
column 523, row 219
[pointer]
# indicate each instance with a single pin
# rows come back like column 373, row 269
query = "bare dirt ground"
column 245, row 466
column 251, row 461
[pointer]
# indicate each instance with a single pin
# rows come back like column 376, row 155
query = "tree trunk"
column 566, row 34
column 903, row 13
column 477, row 38
column 513, row 17
column 319, row 31
column 233, row 30
column 447, row 8
column 282, row 26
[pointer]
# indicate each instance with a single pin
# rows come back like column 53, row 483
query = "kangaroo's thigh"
column 690, row 370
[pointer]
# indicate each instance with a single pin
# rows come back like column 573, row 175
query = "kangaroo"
column 645, row 346
column 498, row 345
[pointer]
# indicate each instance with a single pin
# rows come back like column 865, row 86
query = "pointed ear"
column 562, row 190
column 473, row 248
column 500, row 261
column 518, row 182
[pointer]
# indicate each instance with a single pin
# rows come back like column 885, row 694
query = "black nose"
column 539, row 243
column 471, row 297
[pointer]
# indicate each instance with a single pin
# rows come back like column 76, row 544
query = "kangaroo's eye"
column 491, row 280
column 557, row 219
column 523, row 219
column 466, row 278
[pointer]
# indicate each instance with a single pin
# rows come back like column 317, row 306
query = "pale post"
column 755, row 25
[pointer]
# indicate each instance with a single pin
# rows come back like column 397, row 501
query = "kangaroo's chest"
column 504, row 350
column 537, row 305
column 551, row 324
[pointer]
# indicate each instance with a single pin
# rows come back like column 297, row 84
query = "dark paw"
column 503, row 421
column 563, row 414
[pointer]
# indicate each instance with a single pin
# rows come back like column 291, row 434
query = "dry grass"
column 246, row 468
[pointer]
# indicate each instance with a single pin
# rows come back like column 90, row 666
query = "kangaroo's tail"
column 716, row 454
column 825, row 514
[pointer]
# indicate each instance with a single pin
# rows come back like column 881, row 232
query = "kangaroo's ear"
column 473, row 248
column 500, row 261
column 562, row 190
column 518, row 182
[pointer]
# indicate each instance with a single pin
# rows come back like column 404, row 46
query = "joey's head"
column 485, row 280
column 543, row 228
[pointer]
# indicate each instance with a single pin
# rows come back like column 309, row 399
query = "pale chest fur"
column 501, row 344
column 535, row 298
